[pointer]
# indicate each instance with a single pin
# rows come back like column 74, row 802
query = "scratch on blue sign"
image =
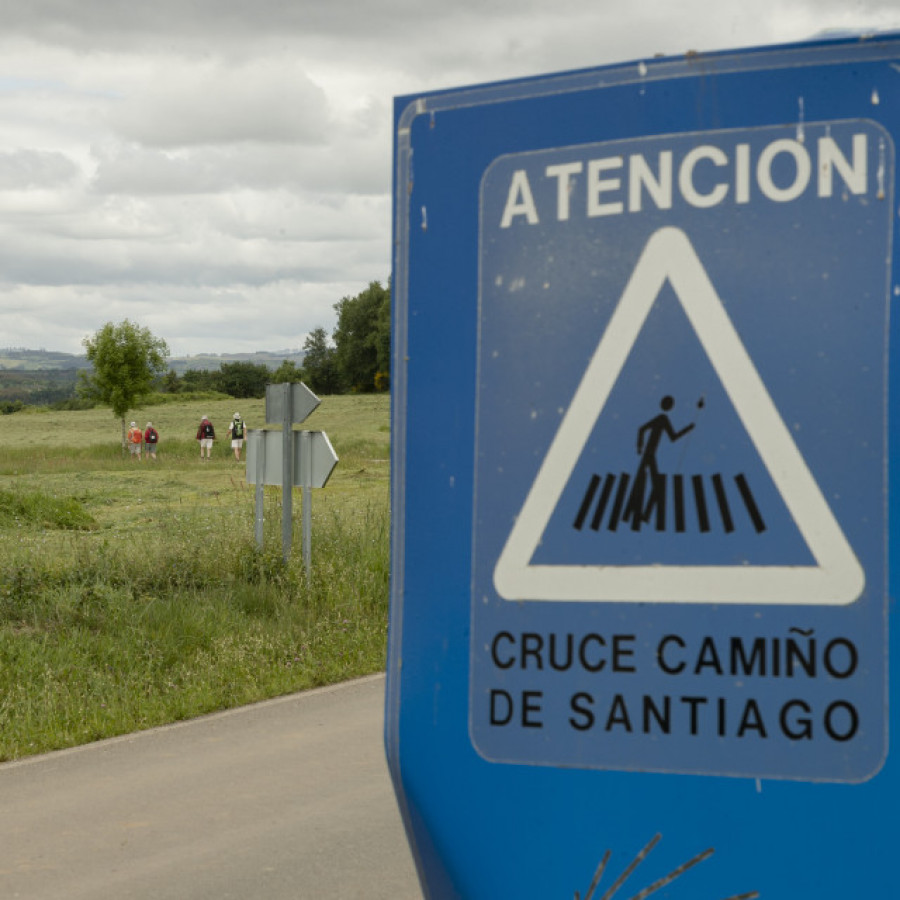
column 656, row 885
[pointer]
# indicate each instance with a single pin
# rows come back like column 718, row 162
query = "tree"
column 362, row 337
column 125, row 360
column 383, row 343
column 200, row 380
column 170, row 382
column 320, row 371
column 244, row 379
column 287, row 373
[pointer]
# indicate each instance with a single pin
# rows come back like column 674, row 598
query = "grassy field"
column 133, row 593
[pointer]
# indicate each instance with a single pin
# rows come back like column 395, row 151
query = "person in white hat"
column 236, row 432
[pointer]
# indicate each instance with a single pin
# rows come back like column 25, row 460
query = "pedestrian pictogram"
column 648, row 476
column 670, row 500
column 661, row 500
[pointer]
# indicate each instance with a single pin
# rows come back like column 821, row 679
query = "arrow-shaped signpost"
column 302, row 459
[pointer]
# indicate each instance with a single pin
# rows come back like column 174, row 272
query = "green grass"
column 17, row 508
column 133, row 593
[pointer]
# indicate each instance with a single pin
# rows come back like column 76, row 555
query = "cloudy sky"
column 219, row 170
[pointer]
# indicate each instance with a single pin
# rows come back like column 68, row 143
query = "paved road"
column 285, row 799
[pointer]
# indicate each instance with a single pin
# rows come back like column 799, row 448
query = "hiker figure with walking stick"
column 648, row 439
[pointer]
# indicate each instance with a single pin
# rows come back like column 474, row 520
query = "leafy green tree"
column 198, row 380
column 383, row 343
column 320, row 370
column 362, row 337
column 125, row 360
column 170, row 382
column 244, row 379
column 287, row 373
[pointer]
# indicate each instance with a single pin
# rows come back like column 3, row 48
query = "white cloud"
column 184, row 104
column 28, row 169
column 221, row 171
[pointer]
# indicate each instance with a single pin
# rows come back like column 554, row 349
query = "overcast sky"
column 219, row 170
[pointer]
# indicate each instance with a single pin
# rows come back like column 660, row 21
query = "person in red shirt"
column 151, row 439
column 206, row 434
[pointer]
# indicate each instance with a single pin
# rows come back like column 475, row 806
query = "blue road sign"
column 641, row 548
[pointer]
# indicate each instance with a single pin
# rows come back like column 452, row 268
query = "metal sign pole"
column 306, row 451
column 315, row 459
column 259, row 440
column 287, row 480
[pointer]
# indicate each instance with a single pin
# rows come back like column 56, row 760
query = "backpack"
column 207, row 430
column 152, row 436
column 237, row 430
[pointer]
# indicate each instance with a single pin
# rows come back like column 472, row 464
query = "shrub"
column 39, row 509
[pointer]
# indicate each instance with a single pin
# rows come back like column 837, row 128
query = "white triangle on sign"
column 837, row 577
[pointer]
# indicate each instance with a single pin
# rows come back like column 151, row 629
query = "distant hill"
column 39, row 360
column 47, row 376
column 16, row 358
column 213, row 361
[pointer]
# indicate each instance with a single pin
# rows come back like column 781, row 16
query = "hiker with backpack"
column 151, row 438
column 135, row 436
column 206, row 434
column 236, row 433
